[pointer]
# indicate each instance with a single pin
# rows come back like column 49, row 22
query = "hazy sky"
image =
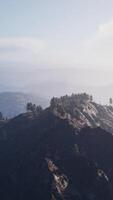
column 54, row 47
column 62, row 33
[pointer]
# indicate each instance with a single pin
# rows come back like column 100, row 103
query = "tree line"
column 34, row 108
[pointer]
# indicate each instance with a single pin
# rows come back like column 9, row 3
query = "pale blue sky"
column 56, row 34
column 71, row 19
column 59, row 27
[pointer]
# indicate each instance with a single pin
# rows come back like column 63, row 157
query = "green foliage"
column 110, row 101
column 1, row 116
column 33, row 108
column 91, row 98
column 67, row 104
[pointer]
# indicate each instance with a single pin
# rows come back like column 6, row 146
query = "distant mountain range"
column 14, row 103
column 47, row 82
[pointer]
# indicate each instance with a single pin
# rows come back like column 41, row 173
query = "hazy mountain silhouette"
column 14, row 103
column 55, row 81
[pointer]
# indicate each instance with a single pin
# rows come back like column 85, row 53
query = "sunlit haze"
column 63, row 45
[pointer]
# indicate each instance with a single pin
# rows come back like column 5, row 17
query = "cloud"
column 20, row 49
column 95, row 52
column 35, row 51
column 98, row 50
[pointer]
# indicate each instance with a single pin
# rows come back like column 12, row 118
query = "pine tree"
column 110, row 101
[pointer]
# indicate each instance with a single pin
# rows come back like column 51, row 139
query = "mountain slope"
column 50, row 157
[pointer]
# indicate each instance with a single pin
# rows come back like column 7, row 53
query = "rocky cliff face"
column 50, row 157
column 82, row 111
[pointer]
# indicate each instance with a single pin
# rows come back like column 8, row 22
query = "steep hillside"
column 49, row 157
column 14, row 103
column 82, row 111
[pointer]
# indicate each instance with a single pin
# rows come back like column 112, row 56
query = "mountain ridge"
column 83, row 111
column 47, row 156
